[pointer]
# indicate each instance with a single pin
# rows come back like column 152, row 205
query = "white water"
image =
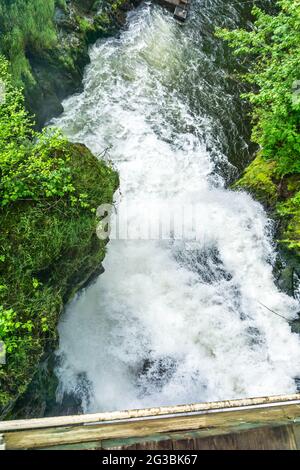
column 168, row 323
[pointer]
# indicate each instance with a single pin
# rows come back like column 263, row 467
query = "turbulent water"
column 172, row 321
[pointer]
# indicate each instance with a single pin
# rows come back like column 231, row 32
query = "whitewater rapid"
column 172, row 321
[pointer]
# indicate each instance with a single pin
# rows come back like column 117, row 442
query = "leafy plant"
column 273, row 46
column 33, row 165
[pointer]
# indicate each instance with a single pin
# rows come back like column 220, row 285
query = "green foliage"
column 48, row 248
column 49, row 190
column 274, row 47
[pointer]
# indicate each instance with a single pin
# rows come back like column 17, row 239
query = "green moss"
column 50, row 248
column 49, row 192
column 259, row 178
column 289, row 210
column 84, row 24
column 279, row 194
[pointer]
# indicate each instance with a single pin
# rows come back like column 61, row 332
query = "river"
column 179, row 319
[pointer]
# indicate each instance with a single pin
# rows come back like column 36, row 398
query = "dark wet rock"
column 155, row 373
column 58, row 72
column 287, row 272
column 29, row 387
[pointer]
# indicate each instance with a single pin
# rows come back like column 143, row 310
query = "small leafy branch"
column 33, row 165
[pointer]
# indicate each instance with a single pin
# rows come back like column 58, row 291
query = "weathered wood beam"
column 209, row 423
column 225, row 405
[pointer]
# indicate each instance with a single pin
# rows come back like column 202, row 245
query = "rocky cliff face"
column 47, row 46
column 58, row 72
column 278, row 197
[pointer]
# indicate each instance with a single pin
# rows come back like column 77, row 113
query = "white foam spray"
column 169, row 322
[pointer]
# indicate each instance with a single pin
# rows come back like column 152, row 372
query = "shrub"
column 49, row 191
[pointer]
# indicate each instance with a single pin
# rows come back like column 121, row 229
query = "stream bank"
column 261, row 180
column 58, row 72
column 52, row 251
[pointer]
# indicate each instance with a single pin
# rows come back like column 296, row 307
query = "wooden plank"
column 152, row 445
column 267, row 438
column 133, row 441
column 228, row 420
column 189, row 439
column 184, row 444
column 277, row 438
column 96, row 445
column 225, row 405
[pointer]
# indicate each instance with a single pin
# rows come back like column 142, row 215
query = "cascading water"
column 172, row 322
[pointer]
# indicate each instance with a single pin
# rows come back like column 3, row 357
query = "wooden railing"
column 267, row 422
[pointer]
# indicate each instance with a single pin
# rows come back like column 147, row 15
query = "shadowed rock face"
column 58, row 71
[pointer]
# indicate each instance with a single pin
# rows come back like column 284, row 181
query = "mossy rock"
column 280, row 196
column 51, row 250
column 259, row 178
column 48, row 57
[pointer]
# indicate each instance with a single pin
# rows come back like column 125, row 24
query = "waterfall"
column 173, row 321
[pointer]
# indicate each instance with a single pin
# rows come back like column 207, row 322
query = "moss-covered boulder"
column 51, row 249
column 258, row 178
column 280, row 195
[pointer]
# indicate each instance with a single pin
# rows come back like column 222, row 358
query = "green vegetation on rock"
column 49, row 191
column 273, row 49
column 30, row 27
column 259, row 177
column 25, row 25
column 34, row 166
column 46, row 43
